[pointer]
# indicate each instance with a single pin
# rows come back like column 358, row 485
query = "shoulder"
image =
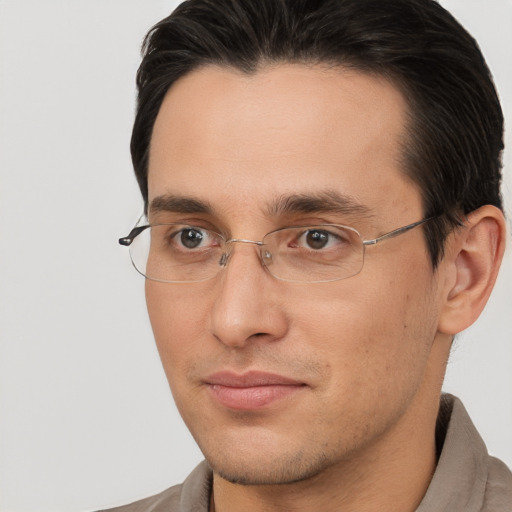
column 167, row 501
column 466, row 478
column 192, row 494
column 498, row 489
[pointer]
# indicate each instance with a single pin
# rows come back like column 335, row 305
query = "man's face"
column 278, row 381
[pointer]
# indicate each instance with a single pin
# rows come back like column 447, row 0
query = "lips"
column 252, row 390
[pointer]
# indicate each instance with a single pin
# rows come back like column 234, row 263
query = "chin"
column 268, row 469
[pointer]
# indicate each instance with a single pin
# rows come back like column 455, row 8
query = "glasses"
column 182, row 253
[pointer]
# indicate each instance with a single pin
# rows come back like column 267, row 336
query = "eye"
column 318, row 239
column 191, row 237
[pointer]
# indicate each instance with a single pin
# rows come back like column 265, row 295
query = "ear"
column 472, row 259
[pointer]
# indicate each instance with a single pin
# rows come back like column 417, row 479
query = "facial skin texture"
column 368, row 351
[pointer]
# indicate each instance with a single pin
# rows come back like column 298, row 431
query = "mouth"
column 252, row 390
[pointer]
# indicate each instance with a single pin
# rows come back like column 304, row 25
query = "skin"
column 370, row 351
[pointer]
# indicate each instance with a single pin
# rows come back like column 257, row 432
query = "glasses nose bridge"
column 243, row 241
column 229, row 244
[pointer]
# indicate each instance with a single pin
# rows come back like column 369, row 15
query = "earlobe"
column 471, row 266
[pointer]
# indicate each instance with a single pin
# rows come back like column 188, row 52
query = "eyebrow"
column 329, row 201
column 178, row 204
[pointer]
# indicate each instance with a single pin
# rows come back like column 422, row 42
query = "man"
column 322, row 217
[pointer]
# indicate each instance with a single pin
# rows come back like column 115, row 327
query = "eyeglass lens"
column 183, row 253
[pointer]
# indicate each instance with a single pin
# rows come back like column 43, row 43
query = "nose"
column 249, row 303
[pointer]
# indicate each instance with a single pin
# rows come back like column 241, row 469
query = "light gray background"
column 86, row 419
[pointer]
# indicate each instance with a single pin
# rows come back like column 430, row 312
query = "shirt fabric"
column 466, row 479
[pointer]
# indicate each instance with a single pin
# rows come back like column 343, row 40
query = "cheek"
column 177, row 317
column 375, row 357
column 371, row 333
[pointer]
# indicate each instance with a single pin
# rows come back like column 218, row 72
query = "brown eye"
column 316, row 239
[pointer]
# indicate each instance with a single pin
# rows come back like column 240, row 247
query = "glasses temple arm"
column 396, row 232
column 127, row 240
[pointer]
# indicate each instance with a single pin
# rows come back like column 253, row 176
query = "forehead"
column 231, row 137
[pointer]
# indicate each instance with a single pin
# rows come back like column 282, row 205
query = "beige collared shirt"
column 467, row 478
